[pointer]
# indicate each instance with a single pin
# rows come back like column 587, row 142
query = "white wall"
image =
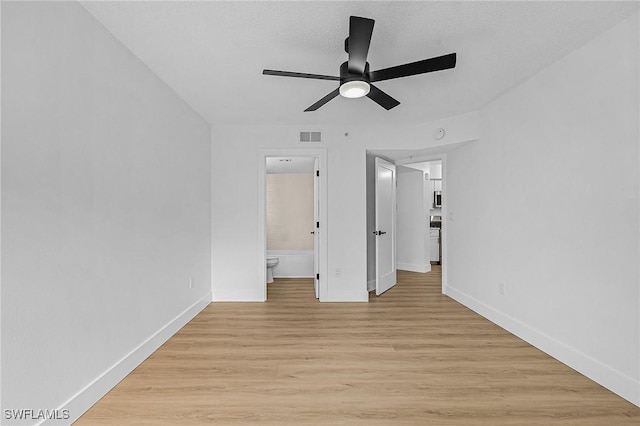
column 533, row 208
column 435, row 169
column 105, row 209
column 412, row 232
column 235, row 206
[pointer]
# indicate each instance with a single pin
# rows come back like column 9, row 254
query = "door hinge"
column 317, row 224
column 318, row 277
column 317, row 172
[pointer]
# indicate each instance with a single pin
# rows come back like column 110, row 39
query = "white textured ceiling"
column 212, row 53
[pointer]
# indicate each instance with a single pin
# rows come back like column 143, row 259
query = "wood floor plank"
column 409, row 357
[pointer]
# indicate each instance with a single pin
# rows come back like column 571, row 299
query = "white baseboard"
column 293, row 276
column 612, row 379
column 89, row 395
column 413, row 267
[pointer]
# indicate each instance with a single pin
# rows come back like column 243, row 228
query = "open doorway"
column 428, row 197
column 434, row 210
column 290, row 224
column 421, row 213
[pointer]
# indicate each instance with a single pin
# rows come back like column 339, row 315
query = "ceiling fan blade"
column 360, row 30
column 300, row 75
column 419, row 67
column 381, row 98
column 323, row 100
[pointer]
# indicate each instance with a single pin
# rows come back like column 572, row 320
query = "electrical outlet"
column 191, row 283
column 502, row 288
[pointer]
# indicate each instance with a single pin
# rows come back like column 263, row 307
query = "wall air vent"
column 310, row 137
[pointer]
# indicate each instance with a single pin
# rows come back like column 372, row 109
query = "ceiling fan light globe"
column 354, row 89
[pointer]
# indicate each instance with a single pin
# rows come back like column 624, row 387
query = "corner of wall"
column 612, row 379
column 79, row 403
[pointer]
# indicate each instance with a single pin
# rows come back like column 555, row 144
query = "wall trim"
column 79, row 403
column 289, row 252
column 413, row 267
column 612, row 379
column 292, row 276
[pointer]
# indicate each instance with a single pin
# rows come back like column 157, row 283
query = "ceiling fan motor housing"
column 346, row 76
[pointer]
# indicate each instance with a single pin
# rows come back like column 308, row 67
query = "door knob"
column 379, row 232
column 312, row 232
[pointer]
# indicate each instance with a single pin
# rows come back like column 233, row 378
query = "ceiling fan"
column 355, row 78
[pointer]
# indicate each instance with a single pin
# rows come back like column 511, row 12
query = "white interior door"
column 316, row 227
column 385, row 225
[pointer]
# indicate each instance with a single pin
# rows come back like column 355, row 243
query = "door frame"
column 261, row 261
column 445, row 209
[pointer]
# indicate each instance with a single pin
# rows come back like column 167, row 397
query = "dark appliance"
column 437, row 199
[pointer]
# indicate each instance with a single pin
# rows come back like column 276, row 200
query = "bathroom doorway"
column 291, row 225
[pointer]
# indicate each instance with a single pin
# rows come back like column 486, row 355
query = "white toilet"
column 271, row 262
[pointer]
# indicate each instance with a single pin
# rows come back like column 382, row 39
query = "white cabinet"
column 434, row 245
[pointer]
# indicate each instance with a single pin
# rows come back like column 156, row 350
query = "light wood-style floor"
column 410, row 357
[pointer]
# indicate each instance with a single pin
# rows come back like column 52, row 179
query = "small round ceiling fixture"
column 354, row 89
column 439, row 133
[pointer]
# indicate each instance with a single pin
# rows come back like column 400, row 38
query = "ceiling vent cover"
column 310, row 137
